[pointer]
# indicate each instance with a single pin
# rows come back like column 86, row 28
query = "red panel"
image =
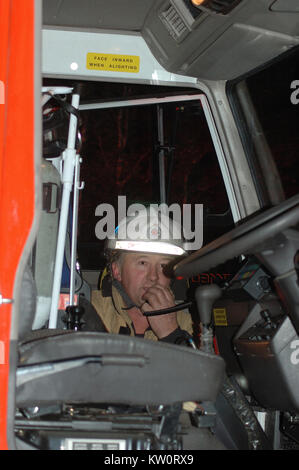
column 16, row 163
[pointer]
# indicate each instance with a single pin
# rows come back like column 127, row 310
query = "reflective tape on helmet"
column 149, row 247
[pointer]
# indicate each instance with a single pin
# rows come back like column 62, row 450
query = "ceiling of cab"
column 124, row 15
column 200, row 42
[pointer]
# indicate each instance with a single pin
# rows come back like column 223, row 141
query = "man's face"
column 139, row 271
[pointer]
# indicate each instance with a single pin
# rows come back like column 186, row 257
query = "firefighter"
column 135, row 282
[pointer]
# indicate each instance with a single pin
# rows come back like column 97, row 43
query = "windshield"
column 266, row 104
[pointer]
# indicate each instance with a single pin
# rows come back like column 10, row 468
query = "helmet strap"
column 119, row 287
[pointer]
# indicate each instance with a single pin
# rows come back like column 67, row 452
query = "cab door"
column 20, row 25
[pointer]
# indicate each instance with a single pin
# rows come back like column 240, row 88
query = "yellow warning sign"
column 220, row 318
column 112, row 62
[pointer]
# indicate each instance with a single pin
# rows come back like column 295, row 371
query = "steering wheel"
column 242, row 239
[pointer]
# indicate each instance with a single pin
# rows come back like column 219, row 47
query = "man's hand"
column 158, row 297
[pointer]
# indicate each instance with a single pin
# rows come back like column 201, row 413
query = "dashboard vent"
column 176, row 26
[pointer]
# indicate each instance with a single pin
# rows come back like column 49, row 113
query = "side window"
column 195, row 173
column 121, row 149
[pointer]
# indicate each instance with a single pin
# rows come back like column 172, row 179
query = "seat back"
column 79, row 367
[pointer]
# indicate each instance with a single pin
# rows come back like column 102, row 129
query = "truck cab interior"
column 177, row 102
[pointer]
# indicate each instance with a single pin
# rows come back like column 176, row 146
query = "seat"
column 91, row 367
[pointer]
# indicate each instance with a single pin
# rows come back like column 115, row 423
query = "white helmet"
column 149, row 230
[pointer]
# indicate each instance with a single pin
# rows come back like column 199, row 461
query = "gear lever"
column 205, row 297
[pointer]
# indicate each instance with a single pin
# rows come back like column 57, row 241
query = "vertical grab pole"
column 77, row 188
column 69, row 162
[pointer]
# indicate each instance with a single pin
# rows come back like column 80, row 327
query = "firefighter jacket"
column 111, row 309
